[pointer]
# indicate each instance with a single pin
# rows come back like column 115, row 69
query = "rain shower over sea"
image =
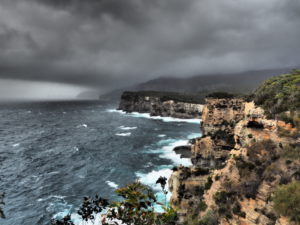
column 52, row 154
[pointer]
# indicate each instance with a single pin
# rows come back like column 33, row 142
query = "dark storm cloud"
column 109, row 43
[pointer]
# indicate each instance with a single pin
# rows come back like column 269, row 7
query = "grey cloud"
column 110, row 43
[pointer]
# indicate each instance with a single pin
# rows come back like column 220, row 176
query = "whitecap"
column 52, row 196
column 161, row 135
column 82, row 125
column 164, row 119
column 115, row 110
column 53, row 172
column 16, row 145
column 123, row 134
column 57, row 196
column 127, row 128
column 112, row 184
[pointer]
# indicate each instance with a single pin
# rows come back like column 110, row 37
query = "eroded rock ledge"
column 161, row 104
column 237, row 164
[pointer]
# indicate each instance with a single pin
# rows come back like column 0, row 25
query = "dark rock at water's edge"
column 161, row 104
column 192, row 141
column 185, row 151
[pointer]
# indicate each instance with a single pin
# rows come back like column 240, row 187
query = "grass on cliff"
column 287, row 201
column 280, row 94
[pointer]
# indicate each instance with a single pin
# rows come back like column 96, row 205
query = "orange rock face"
column 241, row 151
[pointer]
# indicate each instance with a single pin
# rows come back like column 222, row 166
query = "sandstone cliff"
column 160, row 105
column 240, row 160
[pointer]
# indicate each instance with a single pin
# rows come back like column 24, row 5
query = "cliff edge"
column 161, row 104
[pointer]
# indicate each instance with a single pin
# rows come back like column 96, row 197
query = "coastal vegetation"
column 164, row 96
column 136, row 207
column 287, row 201
column 280, row 96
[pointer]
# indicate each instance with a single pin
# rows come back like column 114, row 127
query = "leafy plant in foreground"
column 135, row 208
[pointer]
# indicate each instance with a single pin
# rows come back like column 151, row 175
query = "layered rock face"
column 157, row 106
column 237, row 165
column 219, row 118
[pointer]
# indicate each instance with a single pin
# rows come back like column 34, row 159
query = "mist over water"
column 52, row 154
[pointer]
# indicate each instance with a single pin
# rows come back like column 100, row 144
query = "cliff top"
column 164, row 96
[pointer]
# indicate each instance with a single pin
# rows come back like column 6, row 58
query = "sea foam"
column 127, row 128
column 148, row 116
column 82, row 125
column 123, row 134
column 112, row 184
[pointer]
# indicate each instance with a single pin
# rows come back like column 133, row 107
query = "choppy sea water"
column 52, row 154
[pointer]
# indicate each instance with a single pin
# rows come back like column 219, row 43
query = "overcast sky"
column 110, row 43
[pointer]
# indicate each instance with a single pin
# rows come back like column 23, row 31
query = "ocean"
column 52, row 154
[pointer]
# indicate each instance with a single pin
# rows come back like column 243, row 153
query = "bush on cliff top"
column 287, row 201
column 279, row 94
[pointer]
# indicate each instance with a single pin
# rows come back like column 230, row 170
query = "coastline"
column 161, row 148
column 165, row 150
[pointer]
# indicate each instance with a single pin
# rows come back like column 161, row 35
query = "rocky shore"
column 160, row 104
column 237, row 164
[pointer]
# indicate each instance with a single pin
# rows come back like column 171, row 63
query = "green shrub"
column 209, row 219
column 199, row 191
column 250, row 136
column 220, row 197
column 287, row 201
column 279, row 94
column 208, row 183
column 217, row 177
column 202, row 205
column 237, row 210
